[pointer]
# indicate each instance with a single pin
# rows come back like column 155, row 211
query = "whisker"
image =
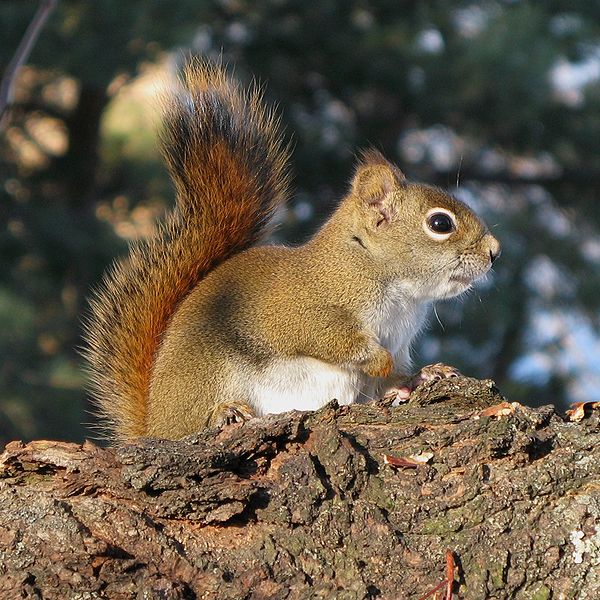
column 458, row 172
column 435, row 312
column 362, row 393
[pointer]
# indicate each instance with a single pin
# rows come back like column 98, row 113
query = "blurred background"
column 498, row 102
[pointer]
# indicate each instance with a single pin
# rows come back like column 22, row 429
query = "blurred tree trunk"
column 78, row 179
column 303, row 505
column 80, row 163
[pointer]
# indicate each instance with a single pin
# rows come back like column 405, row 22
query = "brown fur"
column 271, row 303
column 226, row 158
column 185, row 331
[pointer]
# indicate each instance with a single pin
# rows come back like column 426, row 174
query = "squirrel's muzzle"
column 493, row 246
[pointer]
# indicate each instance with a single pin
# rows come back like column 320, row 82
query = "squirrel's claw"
column 397, row 395
column 228, row 414
column 436, row 372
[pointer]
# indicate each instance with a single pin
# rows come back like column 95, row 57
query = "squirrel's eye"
column 440, row 222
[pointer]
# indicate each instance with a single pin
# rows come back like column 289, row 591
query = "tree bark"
column 303, row 505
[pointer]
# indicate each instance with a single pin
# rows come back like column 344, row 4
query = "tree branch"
column 305, row 505
column 22, row 54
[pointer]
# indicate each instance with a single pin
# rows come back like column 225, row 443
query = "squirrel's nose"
column 494, row 247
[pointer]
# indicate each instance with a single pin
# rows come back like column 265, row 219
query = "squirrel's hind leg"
column 227, row 413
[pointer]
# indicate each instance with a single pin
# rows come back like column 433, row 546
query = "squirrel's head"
column 418, row 235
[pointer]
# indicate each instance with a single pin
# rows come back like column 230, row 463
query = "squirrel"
column 200, row 325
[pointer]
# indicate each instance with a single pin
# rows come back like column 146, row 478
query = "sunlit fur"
column 195, row 324
column 226, row 158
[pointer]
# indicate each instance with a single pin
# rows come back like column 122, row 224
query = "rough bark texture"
column 301, row 505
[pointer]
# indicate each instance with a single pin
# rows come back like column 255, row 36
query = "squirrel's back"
column 226, row 158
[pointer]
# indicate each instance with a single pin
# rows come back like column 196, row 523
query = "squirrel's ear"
column 375, row 178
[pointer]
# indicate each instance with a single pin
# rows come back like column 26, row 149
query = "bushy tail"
column 229, row 166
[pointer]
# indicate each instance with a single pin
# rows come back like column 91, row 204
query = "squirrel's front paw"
column 379, row 364
column 436, row 372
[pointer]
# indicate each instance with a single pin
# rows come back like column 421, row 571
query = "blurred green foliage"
column 502, row 96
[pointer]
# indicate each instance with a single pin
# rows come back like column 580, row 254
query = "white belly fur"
column 303, row 383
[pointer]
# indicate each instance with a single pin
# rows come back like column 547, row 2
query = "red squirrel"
column 199, row 326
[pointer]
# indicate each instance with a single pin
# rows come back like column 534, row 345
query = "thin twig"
column 439, row 586
column 22, row 54
column 448, row 581
column 450, row 565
